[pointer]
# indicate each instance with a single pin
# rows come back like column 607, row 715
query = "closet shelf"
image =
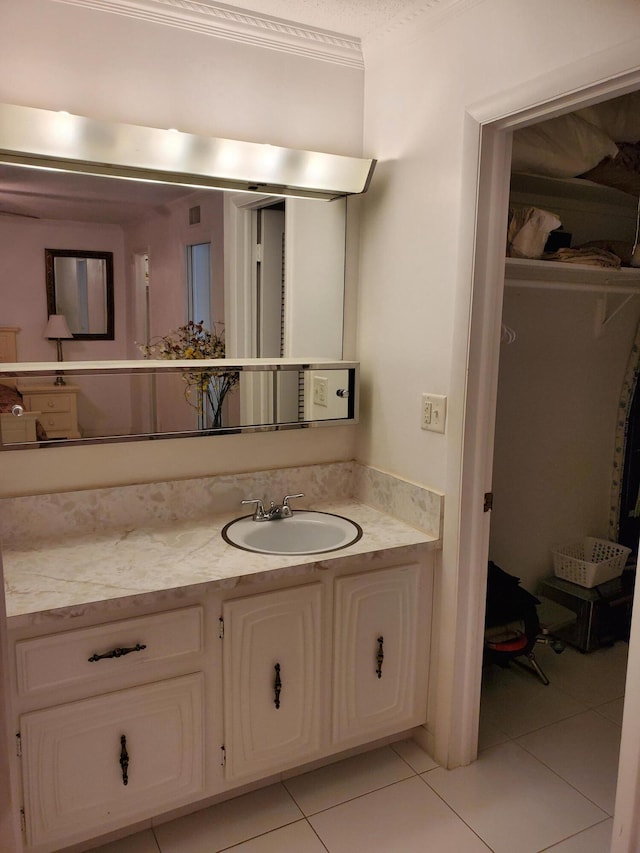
column 556, row 275
column 577, row 278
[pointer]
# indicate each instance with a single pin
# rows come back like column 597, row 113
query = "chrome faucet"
column 275, row 511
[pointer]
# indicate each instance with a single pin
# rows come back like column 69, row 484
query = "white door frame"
column 240, row 317
column 476, row 346
column 239, row 271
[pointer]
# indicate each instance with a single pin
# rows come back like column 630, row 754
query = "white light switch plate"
column 320, row 391
column 433, row 414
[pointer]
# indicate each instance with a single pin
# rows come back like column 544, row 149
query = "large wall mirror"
column 80, row 287
column 267, row 266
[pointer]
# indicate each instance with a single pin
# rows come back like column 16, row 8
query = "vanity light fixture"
column 57, row 330
column 46, row 139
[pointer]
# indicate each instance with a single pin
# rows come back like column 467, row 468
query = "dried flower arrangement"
column 211, row 385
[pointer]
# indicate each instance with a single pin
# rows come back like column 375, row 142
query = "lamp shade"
column 57, row 327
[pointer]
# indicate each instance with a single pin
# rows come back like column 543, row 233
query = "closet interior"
column 567, row 442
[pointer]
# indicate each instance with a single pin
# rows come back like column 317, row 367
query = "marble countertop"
column 78, row 570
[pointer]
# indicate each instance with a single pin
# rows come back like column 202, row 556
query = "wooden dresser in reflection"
column 57, row 405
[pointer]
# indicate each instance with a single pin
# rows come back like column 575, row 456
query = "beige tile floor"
column 544, row 781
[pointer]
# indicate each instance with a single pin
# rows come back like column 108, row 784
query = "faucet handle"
column 259, row 513
column 287, row 511
column 287, row 498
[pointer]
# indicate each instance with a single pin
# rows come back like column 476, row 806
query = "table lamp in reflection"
column 57, row 330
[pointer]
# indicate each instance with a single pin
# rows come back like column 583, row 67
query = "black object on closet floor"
column 512, row 626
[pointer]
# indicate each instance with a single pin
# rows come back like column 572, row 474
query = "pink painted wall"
column 23, row 303
column 23, row 297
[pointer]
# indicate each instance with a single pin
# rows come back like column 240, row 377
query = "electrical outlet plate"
column 321, row 391
column 433, row 413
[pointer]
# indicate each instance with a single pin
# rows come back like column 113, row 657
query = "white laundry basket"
column 589, row 562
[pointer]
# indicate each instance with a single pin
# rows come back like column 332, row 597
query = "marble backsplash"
column 413, row 504
column 97, row 510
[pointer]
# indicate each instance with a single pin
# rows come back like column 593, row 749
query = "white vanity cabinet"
column 110, row 725
column 272, row 679
column 304, row 678
column 124, row 720
column 95, row 764
column 381, row 624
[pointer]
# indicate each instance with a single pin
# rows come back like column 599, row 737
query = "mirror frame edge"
column 50, row 281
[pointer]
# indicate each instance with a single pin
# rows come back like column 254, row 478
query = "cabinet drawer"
column 50, row 402
column 60, row 421
column 60, row 660
column 96, row 764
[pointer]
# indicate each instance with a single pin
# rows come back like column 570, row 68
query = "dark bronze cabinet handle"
column 124, row 760
column 380, row 656
column 277, row 686
column 117, row 653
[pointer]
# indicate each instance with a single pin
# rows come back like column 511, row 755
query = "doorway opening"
column 487, row 303
column 559, row 383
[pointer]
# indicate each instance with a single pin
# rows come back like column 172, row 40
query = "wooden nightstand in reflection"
column 57, row 405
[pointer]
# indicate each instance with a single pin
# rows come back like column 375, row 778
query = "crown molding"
column 215, row 19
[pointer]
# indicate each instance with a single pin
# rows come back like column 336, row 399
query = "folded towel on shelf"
column 622, row 248
column 591, row 256
column 529, row 229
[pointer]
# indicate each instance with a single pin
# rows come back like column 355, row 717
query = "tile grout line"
column 313, row 829
column 357, row 796
column 263, row 834
column 574, row 835
column 566, row 781
column 416, row 772
column 451, row 808
column 297, row 819
column 585, row 710
column 360, row 796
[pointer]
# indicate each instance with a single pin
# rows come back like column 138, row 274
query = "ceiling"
column 358, row 18
column 41, row 194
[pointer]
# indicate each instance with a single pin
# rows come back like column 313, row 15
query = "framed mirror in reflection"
column 80, row 287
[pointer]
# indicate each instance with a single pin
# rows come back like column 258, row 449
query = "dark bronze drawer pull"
column 124, row 760
column 117, row 653
column 277, row 686
column 380, row 656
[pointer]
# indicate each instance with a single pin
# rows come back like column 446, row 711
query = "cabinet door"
column 272, row 671
column 99, row 763
column 380, row 652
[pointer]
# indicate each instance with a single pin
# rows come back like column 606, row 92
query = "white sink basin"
column 306, row 532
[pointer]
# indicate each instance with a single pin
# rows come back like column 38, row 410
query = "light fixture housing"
column 59, row 140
